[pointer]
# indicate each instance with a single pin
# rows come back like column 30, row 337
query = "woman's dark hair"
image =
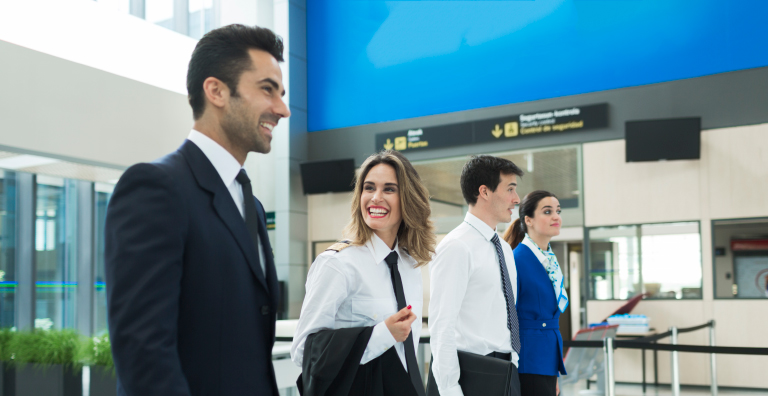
column 484, row 170
column 223, row 53
column 516, row 232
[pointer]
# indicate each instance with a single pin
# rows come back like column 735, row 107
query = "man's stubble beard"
column 242, row 130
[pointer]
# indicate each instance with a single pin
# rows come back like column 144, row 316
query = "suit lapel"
column 225, row 207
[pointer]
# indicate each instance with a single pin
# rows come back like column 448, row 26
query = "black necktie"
column 509, row 295
column 410, row 353
column 251, row 214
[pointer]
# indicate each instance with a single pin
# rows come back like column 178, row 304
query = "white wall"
column 97, row 35
column 86, row 82
column 724, row 183
column 66, row 109
column 727, row 182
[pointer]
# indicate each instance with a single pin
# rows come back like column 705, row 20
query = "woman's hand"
column 557, row 387
column 399, row 324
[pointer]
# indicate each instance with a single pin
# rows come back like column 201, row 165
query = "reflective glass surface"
column 55, row 256
column 123, row 6
column 103, row 194
column 200, row 18
column 159, row 12
column 662, row 260
column 8, row 282
column 740, row 258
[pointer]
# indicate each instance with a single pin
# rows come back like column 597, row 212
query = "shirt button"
column 543, row 325
column 375, row 316
column 265, row 310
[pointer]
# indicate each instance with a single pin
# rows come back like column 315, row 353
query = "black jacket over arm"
column 331, row 367
column 190, row 310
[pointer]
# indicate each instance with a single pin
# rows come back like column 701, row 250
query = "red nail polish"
column 409, row 307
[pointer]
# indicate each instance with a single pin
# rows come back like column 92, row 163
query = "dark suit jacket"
column 331, row 367
column 190, row 310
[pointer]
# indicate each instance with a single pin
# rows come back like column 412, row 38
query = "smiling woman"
column 350, row 285
column 380, row 203
column 388, row 176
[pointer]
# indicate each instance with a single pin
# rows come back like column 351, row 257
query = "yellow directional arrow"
column 388, row 145
column 497, row 132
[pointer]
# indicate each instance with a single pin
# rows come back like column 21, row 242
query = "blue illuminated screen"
column 374, row 61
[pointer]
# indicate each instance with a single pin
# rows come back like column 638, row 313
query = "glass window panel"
column 663, row 260
column 103, row 194
column 8, row 282
column 740, row 258
column 671, row 260
column 614, row 262
column 200, row 18
column 159, row 12
column 56, row 272
column 122, row 6
column 556, row 170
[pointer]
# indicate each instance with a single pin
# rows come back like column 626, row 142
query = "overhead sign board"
column 498, row 129
column 426, row 138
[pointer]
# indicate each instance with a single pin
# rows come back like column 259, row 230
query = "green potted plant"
column 98, row 354
column 47, row 363
column 7, row 369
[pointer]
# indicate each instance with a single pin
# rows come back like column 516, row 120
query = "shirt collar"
column 380, row 250
column 527, row 241
column 479, row 225
column 225, row 163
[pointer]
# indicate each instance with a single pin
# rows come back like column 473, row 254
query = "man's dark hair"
column 484, row 170
column 223, row 53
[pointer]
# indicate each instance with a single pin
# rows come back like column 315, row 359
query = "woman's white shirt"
column 353, row 288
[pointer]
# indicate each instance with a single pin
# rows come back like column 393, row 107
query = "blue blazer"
column 190, row 310
column 541, row 343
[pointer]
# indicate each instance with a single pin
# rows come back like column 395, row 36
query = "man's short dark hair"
column 223, row 53
column 484, row 170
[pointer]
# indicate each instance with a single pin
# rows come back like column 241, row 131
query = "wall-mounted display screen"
column 657, row 140
column 375, row 61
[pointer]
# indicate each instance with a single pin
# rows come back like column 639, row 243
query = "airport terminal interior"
column 648, row 120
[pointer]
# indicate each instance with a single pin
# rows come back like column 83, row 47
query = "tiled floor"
column 637, row 390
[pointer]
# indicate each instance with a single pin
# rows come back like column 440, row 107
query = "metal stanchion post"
column 610, row 384
column 712, row 358
column 675, row 365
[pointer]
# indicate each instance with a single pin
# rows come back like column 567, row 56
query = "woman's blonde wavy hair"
column 416, row 233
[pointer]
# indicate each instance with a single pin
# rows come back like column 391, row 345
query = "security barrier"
column 609, row 344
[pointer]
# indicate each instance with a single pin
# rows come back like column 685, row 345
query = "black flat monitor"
column 658, row 140
column 327, row 176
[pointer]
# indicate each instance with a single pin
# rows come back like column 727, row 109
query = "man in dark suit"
column 191, row 283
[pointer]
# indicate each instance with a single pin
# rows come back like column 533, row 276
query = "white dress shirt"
column 227, row 167
column 353, row 288
column 467, row 308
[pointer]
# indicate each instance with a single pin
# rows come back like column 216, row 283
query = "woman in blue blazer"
column 541, row 296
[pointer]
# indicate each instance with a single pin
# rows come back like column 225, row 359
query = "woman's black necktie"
column 410, row 353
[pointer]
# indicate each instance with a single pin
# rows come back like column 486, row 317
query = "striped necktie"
column 509, row 295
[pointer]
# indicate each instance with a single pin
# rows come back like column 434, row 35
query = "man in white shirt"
column 473, row 280
column 191, row 283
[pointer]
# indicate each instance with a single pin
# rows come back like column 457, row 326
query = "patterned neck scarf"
column 555, row 274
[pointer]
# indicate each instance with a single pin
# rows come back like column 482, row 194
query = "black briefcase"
column 482, row 376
